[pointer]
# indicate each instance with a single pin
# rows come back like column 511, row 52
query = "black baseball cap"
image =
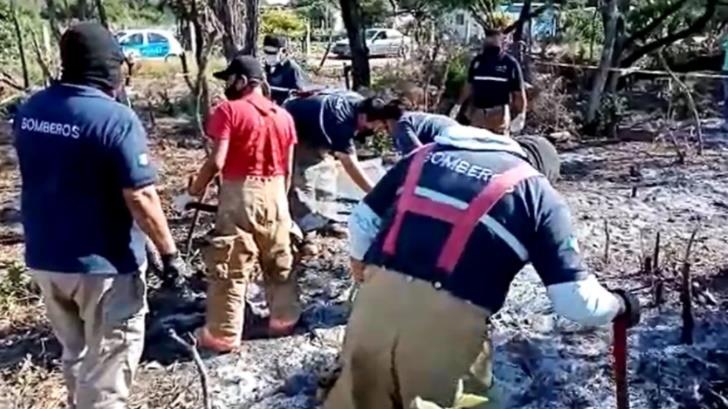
column 242, row 65
column 274, row 41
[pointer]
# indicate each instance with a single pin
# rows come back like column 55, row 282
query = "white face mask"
column 272, row 59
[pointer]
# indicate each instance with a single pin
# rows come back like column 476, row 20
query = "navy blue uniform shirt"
column 78, row 149
column 418, row 128
column 287, row 75
column 493, row 76
column 531, row 224
column 327, row 120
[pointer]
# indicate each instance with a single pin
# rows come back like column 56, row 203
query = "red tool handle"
column 619, row 353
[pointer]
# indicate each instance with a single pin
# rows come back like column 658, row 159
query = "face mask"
column 492, row 48
column 273, row 59
column 231, row 93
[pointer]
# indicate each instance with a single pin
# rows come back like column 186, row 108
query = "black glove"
column 173, row 270
column 631, row 313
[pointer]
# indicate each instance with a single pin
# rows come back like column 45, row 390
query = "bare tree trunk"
column 361, row 71
column 82, row 9
column 230, row 15
column 518, row 40
column 252, row 26
column 21, row 46
column 53, row 19
column 619, row 40
column 102, row 13
column 600, row 79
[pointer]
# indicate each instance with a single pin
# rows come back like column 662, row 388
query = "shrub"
column 286, row 22
column 549, row 106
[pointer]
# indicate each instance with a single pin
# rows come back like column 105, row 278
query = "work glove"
column 630, row 308
column 173, row 270
column 518, row 123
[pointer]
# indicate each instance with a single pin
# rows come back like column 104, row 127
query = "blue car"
column 543, row 26
column 149, row 43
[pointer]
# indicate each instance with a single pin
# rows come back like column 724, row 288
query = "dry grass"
column 32, row 387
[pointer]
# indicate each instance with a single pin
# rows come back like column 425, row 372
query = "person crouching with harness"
column 253, row 149
column 437, row 244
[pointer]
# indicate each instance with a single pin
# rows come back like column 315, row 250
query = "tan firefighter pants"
column 253, row 225
column 406, row 340
column 99, row 322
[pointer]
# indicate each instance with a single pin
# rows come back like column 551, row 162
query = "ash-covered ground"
column 544, row 361
column 630, row 190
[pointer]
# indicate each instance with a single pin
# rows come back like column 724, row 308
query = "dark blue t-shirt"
column 327, row 120
column 418, row 128
column 78, row 149
column 285, row 77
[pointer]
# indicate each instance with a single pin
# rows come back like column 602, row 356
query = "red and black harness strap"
column 463, row 221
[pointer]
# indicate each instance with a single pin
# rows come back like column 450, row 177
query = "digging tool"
column 619, row 354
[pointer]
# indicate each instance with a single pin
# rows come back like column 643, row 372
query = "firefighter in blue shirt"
column 437, row 243
column 283, row 74
column 494, row 79
column 409, row 130
column 327, row 125
column 88, row 200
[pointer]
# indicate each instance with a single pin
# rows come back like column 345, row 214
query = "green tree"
column 283, row 21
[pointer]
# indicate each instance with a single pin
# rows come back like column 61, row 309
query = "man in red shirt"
column 253, row 150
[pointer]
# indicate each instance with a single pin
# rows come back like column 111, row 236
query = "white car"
column 382, row 42
column 149, row 43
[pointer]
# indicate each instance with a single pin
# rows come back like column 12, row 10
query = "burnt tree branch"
column 191, row 348
column 689, row 95
column 686, row 295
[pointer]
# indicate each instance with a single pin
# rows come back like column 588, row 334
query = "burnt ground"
column 542, row 361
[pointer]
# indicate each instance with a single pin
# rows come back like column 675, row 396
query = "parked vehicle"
column 149, row 43
column 382, row 42
column 543, row 26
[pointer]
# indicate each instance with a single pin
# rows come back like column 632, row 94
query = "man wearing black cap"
column 281, row 71
column 87, row 178
column 253, row 140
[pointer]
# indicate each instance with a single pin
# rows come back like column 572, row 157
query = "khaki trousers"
column 313, row 194
column 406, row 340
column 253, row 225
column 99, row 321
column 488, row 118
